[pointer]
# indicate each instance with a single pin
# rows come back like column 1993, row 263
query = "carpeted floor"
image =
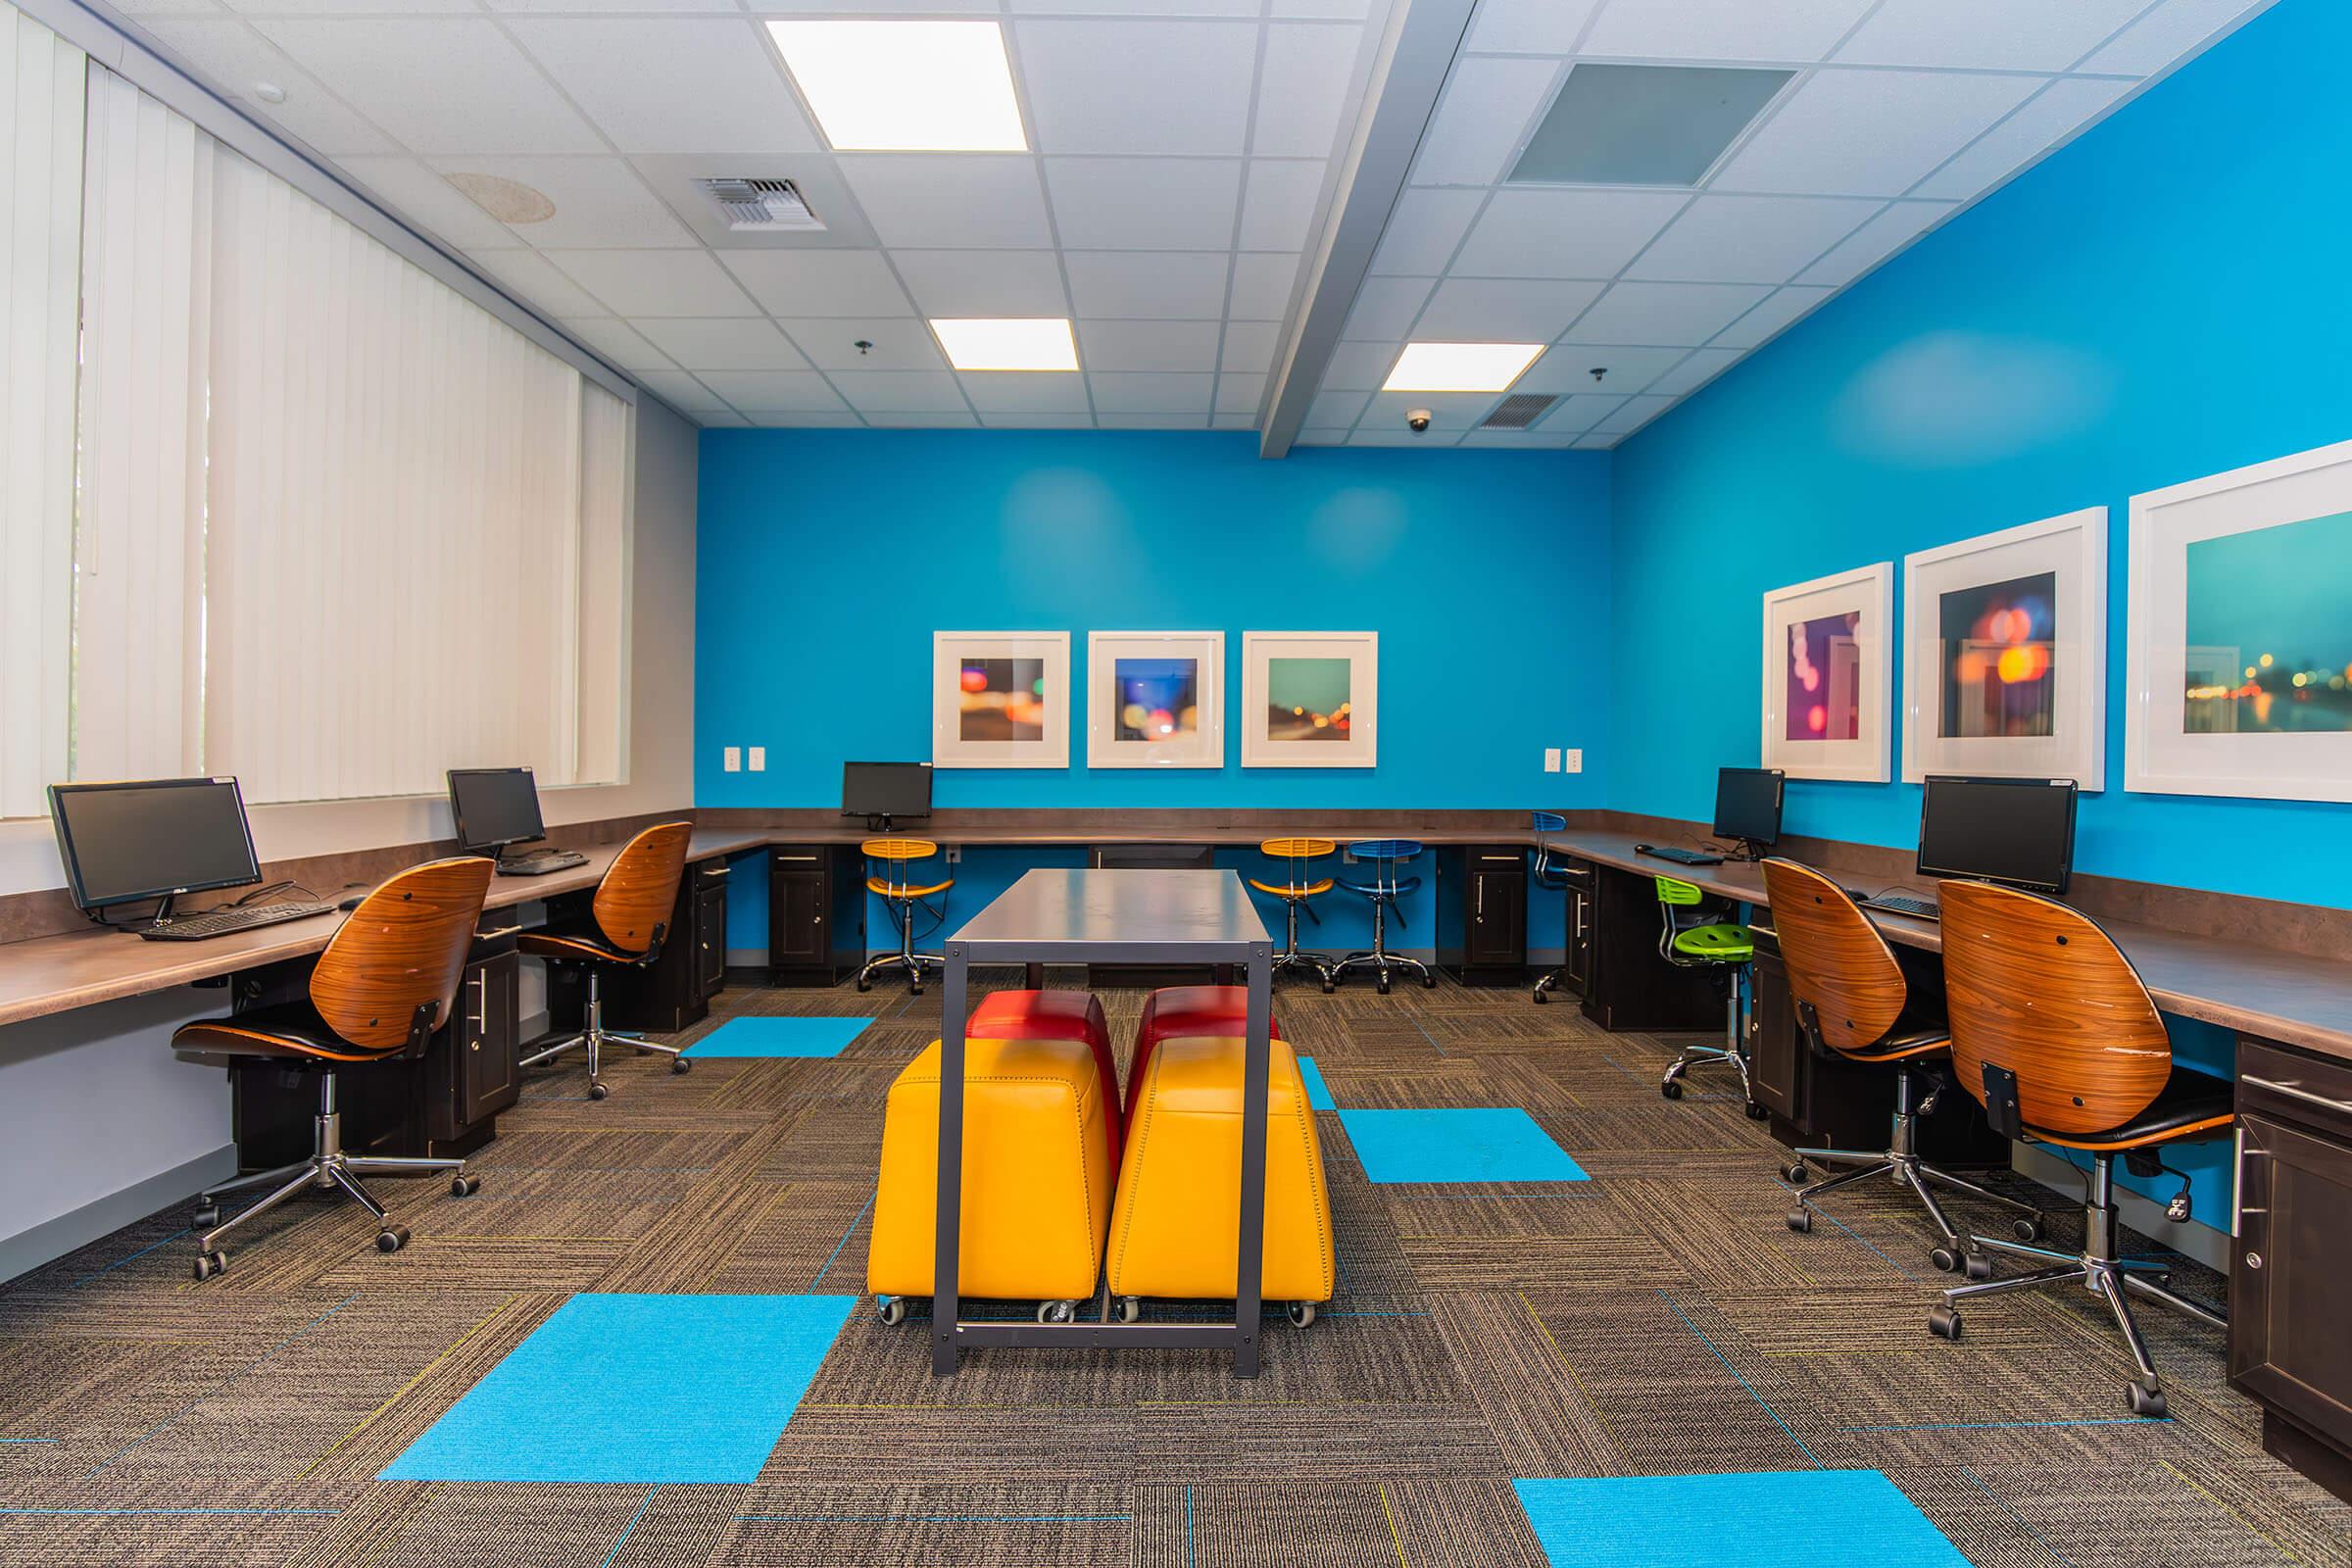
column 1657, row 1319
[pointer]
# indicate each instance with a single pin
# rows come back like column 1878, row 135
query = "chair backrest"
column 1385, row 856
column 1546, row 823
column 896, row 854
column 2038, row 987
column 640, row 888
column 405, row 946
column 1297, row 851
column 1839, row 964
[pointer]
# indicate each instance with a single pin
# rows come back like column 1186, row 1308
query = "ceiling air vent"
column 1517, row 412
column 764, row 206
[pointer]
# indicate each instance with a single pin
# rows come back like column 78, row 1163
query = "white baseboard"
column 2190, row 1237
column 53, row 1239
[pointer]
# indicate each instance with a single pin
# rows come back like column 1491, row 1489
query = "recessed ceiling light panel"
column 509, row 201
column 905, row 84
column 1461, row 366
column 1030, row 343
column 1644, row 124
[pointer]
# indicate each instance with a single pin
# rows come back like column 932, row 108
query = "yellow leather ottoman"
column 1172, row 1232
column 1036, row 1177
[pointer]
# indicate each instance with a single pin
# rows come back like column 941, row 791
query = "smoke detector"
column 762, row 205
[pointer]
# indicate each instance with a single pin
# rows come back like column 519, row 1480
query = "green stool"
column 1692, row 938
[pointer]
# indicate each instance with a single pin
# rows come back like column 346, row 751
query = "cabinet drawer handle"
column 481, row 990
column 2292, row 1091
column 793, row 857
column 2238, row 1180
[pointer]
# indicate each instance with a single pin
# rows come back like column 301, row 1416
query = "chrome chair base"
column 1378, row 958
column 1735, row 1012
column 911, row 964
column 1291, row 956
column 593, row 1037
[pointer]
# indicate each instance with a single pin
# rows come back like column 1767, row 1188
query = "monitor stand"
column 879, row 822
column 1748, row 850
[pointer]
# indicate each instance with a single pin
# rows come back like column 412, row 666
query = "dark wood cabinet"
column 2290, row 1296
column 1482, row 913
column 815, row 913
column 1632, row 986
column 711, row 938
column 1576, row 942
column 675, row 991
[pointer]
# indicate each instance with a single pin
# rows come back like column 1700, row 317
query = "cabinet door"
column 1580, row 938
column 489, row 1079
column 1777, row 1068
column 796, row 918
column 2288, row 1295
column 710, row 938
column 1497, row 934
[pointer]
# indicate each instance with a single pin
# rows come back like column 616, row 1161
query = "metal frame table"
column 1108, row 917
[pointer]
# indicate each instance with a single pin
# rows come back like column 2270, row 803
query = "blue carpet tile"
column 779, row 1037
column 1318, row 1094
column 1764, row 1519
column 1499, row 1145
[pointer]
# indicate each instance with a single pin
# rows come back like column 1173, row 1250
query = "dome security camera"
column 1417, row 420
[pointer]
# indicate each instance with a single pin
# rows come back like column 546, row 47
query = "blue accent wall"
column 827, row 558
column 2161, row 300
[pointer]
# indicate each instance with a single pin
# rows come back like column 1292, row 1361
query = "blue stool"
column 1384, row 856
column 1553, row 876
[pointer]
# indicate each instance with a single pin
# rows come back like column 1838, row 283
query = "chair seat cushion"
column 1055, row 1016
column 574, row 946
column 1719, row 944
column 1172, row 1010
column 1913, row 1046
column 899, row 890
column 292, row 1029
column 1306, row 890
column 1385, row 890
column 2191, row 1104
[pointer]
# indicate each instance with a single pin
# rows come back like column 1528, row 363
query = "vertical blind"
column 339, row 527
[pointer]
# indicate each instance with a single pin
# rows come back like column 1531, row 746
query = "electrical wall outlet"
column 1551, row 758
column 759, row 758
column 1573, row 759
column 955, row 855
column 733, row 759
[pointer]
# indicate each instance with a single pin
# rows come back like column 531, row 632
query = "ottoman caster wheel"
column 464, row 1186
column 680, row 1065
column 1130, row 1308
column 1945, row 1258
column 597, row 1091
column 1301, row 1313
column 1757, row 1112
column 1056, row 1312
column 1672, row 1088
column 1978, row 1265
column 1794, row 1173
column 205, row 1218
column 1943, row 1322
column 392, row 1238
column 2028, row 1229
column 1800, row 1221
column 891, row 1309
column 2146, row 1398
column 211, row 1266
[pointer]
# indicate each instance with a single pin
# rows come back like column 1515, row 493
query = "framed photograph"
column 1826, row 645
column 1155, row 699
column 2240, row 633
column 1311, row 699
column 2005, row 654
column 1000, row 699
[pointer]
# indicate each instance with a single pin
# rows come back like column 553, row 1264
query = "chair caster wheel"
column 1757, row 1112
column 1794, row 1173
column 865, row 984
column 598, row 1091
column 1131, row 1307
column 205, row 1218
column 1429, row 982
column 891, row 1309
column 680, row 1065
column 1943, row 1322
column 2028, row 1229
column 1672, row 1088
column 1541, row 999
column 1800, row 1221
column 464, row 1186
column 1945, row 1258
column 392, row 1238
column 2147, row 1399
column 1382, row 984
column 914, row 991
column 1301, row 1313
column 1058, row 1311
column 211, row 1266
column 1978, row 1265
column 1329, row 986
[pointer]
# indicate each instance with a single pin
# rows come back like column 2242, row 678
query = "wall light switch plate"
column 759, row 758
column 733, row 762
column 1573, row 759
column 1551, row 758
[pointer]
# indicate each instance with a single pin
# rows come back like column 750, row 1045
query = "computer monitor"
column 495, row 806
column 152, row 839
column 886, row 791
column 1747, row 806
column 2015, row 831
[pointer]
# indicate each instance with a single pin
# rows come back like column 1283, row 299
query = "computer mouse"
column 354, row 902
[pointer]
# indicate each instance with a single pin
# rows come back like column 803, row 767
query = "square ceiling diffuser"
column 1644, row 124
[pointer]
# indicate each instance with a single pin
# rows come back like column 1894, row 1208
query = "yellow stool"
column 1035, row 1178
column 1180, row 1187
column 902, row 894
column 1298, row 885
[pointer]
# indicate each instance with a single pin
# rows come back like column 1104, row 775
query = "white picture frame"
column 2064, row 559
column 960, row 735
column 1265, row 745
column 1839, row 667
column 1111, row 741
column 2166, row 748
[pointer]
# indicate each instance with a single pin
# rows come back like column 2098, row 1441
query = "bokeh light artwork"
column 1155, row 699
column 1999, row 644
column 2269, row 630
column 1311, row 699
column 1826, row 671
column 1308, row 700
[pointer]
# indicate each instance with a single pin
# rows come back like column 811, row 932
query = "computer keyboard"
column 540, row 861
column 1905, row 903
column 220, row 922
column 1680, row 857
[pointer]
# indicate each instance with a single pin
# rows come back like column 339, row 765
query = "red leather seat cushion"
column 1055, row 1016
column 1185, row 1012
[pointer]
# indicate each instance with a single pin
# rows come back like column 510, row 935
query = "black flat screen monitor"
column 495, row 806
column 1747, row 804
column 2019, row 832
column 896, row 790
column 152, row 838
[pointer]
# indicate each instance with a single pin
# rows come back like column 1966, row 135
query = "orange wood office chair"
column 1851, row 998
column 384, row 984
column 628, row 922
column 2054, row 1031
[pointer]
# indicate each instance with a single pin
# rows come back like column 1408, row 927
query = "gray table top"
column 1118, row 910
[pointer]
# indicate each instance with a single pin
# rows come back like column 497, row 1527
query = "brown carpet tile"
column 1657, row 1319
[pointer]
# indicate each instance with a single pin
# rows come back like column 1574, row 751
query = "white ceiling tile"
column 1302, row 89
column 681, row 8
column 1781, row 30
column 834, row 418
column 1683, row 314
column 1117, row 392
column 1278, row 205
column 637, row 283
column 1987, row 35
column 599, row 203
column 900, row 343
column 673, row 84
column 1240, row 394
column 1520, row 440
column 1870, row 132
column 720, row 343
column 1138, row 86
column 1359, row 367
column 1172, row 421
column 1025, row 392
column 528, row 276
column 424, row 197
column 1332, row 10
column 1019, row 419
column 1454, row 412
column 237, row 57
column 1595, row 443
column 345, row 8
column 1775, row 312
column 1233, row 421
column 1489, row 310
column 682, row 391
column 721, row 420
column 1385, row 307
column 1489, row 104
column 1147, row 284
column 1147, row 345
column 2052, row 118
column 1624, row 370
column 1875, row 242
column 450, row 84
column 2176, row 29
column 878, row 7
column 1424, row 228
column 1563, row 233
column 817, row 282
column 773, row 391
column 951, row 201
column 1633, row 415
column 1531, row 27
column 1118, row 8
column 923, row 419
column 1382, row 436
column 169, row 8
column 1143, row 204
column 1249, row 347
column 1336, row 409
column 617, row 341
column 954, row 284
column 900, row 391
column 1262, row 282
column 1702, row 367
column 1577, row 412
column 1750, row 239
